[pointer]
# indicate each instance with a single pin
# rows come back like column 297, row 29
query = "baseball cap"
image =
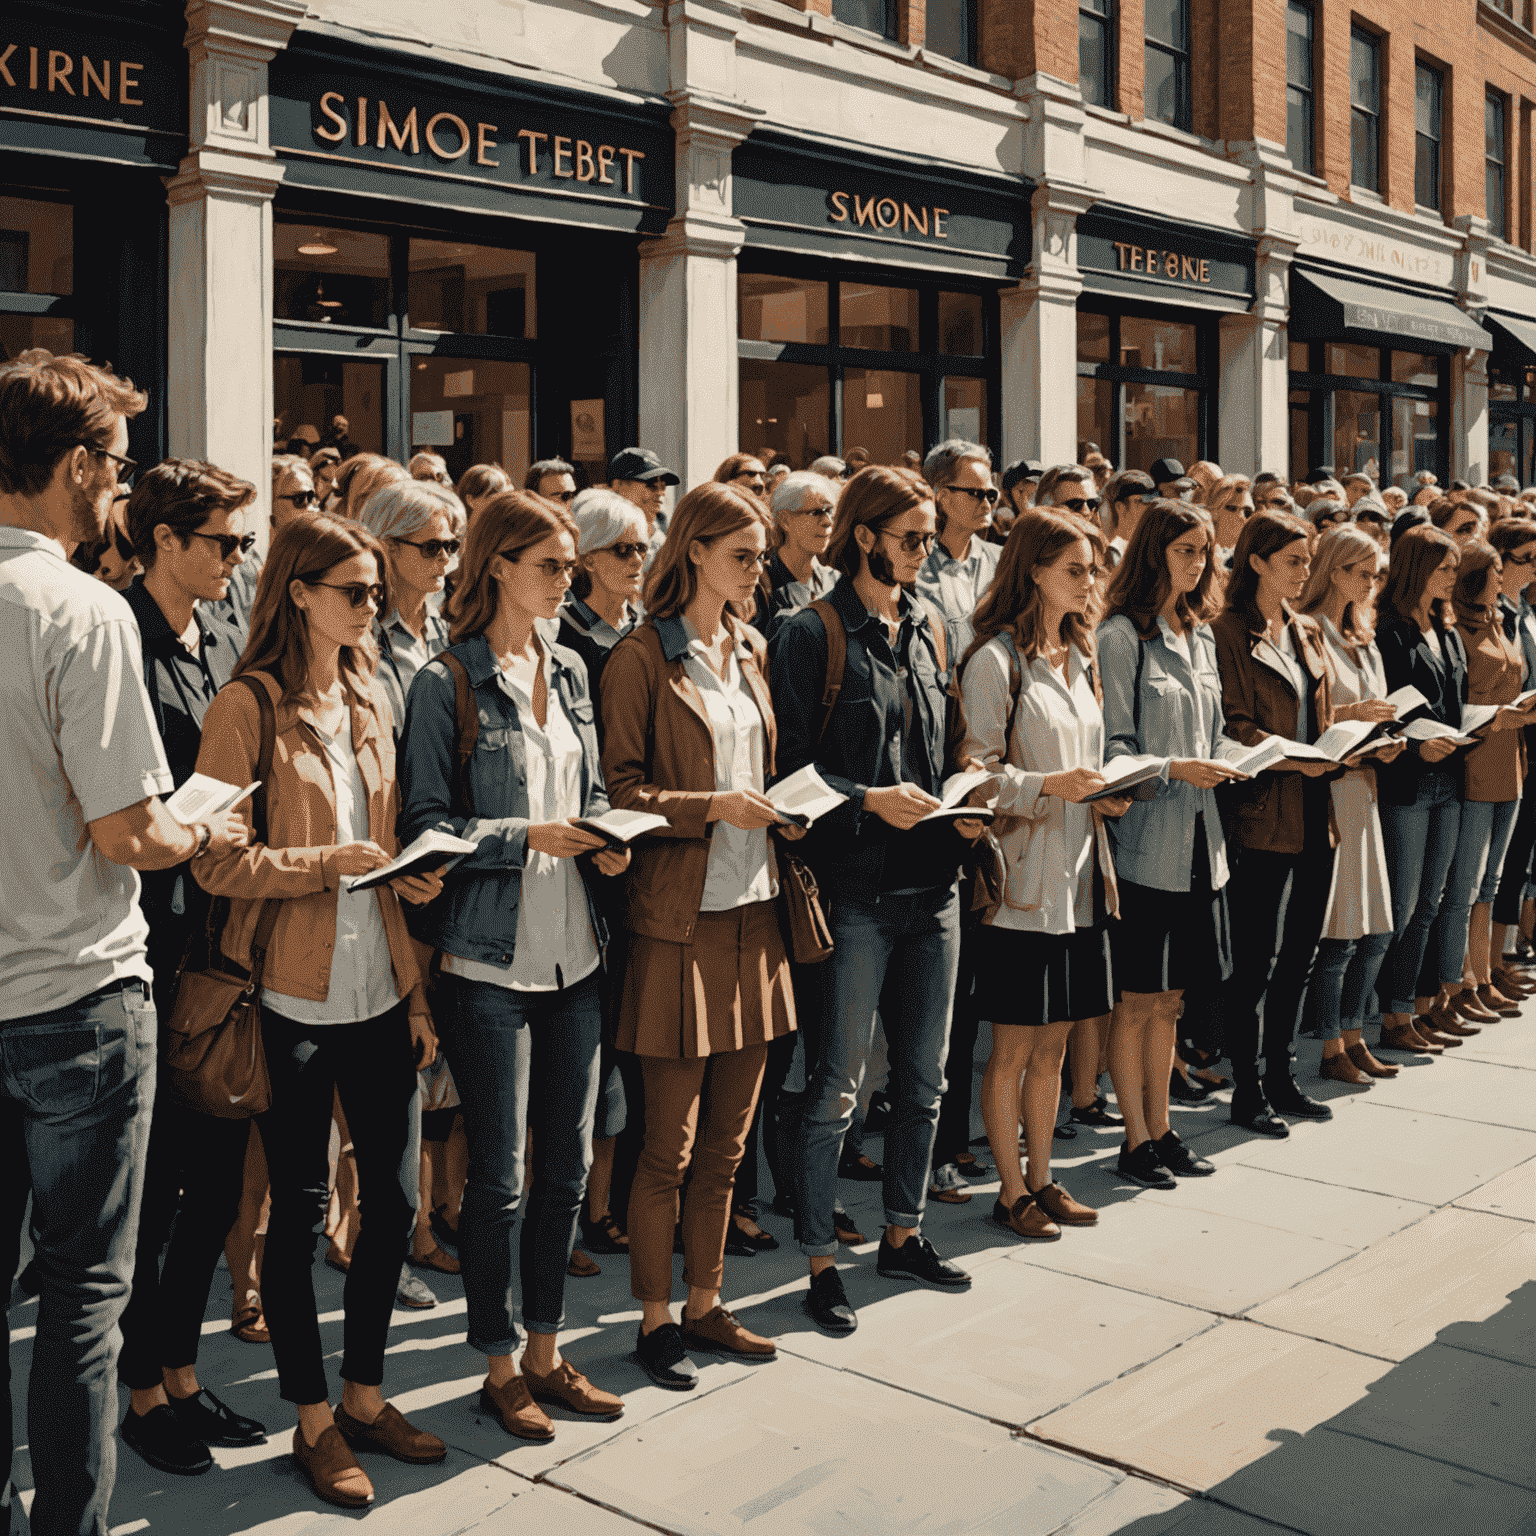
column 639, row 464
column 1170, row 472
column 1022, row 471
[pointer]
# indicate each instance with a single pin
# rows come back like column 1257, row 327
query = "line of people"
column 605, row 1028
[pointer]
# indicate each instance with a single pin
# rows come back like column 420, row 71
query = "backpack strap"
column 837, row 660
column 940, row 636
column 467, row 717
column 267, row 921
column 1141, row 657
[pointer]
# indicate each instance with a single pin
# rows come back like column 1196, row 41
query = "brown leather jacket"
column 297, row 862
column 1258, row 700
column 659, row 756
column 1495, row 769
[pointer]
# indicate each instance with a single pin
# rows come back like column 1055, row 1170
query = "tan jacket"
column 1258, row 700
column 297, row 863
column 659, row 756
column 1495, row 769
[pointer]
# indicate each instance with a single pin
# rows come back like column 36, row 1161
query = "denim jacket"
column 862, row 748
column 476, row 915
column 1173, row 711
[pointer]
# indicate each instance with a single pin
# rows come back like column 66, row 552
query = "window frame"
column 1184, row 110
column 1429, row 142
column 887, row 30
column 1308, row 91
column 970, row 22
column 1497, row 167
column 932, row 366
column 1519, row 413
column 1358, row 112
column 1106, row 21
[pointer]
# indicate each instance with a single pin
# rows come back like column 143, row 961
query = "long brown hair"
column 734, row 465
column 1416, row 556
column 708, row 512
column 1265, row 534
column 1141, row 584
column 508, row 524
column 1039, row 537
column 871, row 499
column 1477, row 559
column 305, row 549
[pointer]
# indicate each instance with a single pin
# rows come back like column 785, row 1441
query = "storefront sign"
column 896, row 214
column 1371, row 252
column 1140, row 257
column 1179, row 267
column 612, row 166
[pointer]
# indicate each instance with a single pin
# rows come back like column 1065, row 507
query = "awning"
column 1517, row 336
column 1323, row 308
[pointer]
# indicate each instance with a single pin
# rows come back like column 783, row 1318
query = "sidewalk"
column 1335, row 1334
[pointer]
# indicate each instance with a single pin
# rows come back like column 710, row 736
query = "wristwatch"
column 204, row 837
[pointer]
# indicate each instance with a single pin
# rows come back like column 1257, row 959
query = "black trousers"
column 1517, row 862
column 767, row 1125
column 1279, row 902
column 954, row 1133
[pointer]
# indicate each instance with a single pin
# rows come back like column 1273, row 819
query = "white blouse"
column 554, row 945
column 362, row 984
column 740, row 869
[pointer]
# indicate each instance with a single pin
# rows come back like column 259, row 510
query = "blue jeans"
column 1343, row 987
column 521, row 1060
column 77, row 1086
column 1421, row 842
column 910, row 947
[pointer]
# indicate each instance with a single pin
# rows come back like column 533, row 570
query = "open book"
column 1123, row 774
column 201, row 797
column 432, row 850
column 1433, row 730
column 956, row 788
column 1255, row 759
column 1405, row 700
column 618, row 828
column 1335, row 744
column 804, row 796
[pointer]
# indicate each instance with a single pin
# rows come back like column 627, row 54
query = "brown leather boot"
column 1339, row 1068
column 1492, row 997
column 1512, row 984
column 1446, row 1022
column 1465, row 1004
column 1404, row 1037
column 1428, row 1028
column 1360, row 1054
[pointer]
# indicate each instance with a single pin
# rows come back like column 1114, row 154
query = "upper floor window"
column 872, row 15
column 1428, row 94
column 1298, row 84
column 1096, row 51
column 951, row 29
column 1495, row 167
column 1364, row 110
column 1167, row 60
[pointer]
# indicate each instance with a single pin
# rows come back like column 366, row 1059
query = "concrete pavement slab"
column 1134, row 1507
column 1398, row 1151
column 1509, row 1335
column 1512, row 1043
column 1017, row 1344
column 1198, row 1414
column 1391, row 1300
column 1464, row 1088
column 802, row 1449
column 1511, row 1194
column 1220, row 1263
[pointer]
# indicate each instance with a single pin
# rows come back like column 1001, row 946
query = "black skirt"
column 1170, row 940
column 1042, row 978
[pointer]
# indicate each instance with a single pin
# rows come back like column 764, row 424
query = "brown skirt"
column 729, row 988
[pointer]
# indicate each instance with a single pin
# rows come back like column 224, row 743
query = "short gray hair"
column 943, row 460
column 828, row 466
column 796, row 491
column 404, row 507
column 603, row 517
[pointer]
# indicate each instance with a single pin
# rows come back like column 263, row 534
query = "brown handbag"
column 214, row 1061
column 810, row 939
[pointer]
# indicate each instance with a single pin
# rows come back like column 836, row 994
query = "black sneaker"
column 205, row 1418
column 1178, row 1159
column 663, row 1358
column 159, row 1438
column 1285, row 1098
column 1254, row 1114
column 916, row 1259
column 827, row 1303
column 1142, row 1167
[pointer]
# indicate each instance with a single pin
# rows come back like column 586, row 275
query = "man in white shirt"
column 80, row 780
column 963, row 562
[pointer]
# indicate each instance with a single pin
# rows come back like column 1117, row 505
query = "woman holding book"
column 1340, row 595
column 520, row 932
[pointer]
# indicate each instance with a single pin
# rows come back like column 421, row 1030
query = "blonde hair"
column 1337, row 550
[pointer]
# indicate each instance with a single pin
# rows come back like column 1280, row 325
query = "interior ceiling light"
column 319, row 245
column 324, row 302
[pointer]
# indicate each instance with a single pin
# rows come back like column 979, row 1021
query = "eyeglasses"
column 752, row 476
column 357, row 592
column 986, row 493
column 121, row 464
column 430, row 549
column 822, row 511
column 550, row 569
column 749, row 560
column 229, row 542
column 299, row 499
column 625, row 551
column 912, row 542
column 1081, row 503
column 565, row 498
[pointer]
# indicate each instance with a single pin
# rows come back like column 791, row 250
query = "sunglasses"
column 1082, row 503
column 822, row 511
column 299, row 498
column 912, row 542
column 625, row 551
column 430, row 549
column 986, row 493
column 564, row 497
column 357, row 592
column 551, row 569
column 125, row 467
column 229, row 542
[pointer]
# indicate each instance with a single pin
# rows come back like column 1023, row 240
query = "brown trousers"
column 721, row 1092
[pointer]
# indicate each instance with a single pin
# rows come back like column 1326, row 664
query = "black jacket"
column 1406, row 656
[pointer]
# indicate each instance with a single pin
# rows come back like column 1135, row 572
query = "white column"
column 220, row 340
column 1253, row 420
column 1039, row 335
column 1469, row 368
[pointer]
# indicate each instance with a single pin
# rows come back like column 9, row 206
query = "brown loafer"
column 1465, row 1004
column 1342, row 1068
column 513, row 1404
column 1361, row 1056
column 950, row 1196
column 1025, row 1218
column 582, row 1266
column 1429, row 1032
column 251, row 1327
column 1511, row 984
column 1492, row 997
column 443, row 1263
column 1060, row 1206
column 1404, row 1037
column 846, row 1233
column 332, row 1469
column 565, row 1384
column 719, row 1330
column 393, row 1434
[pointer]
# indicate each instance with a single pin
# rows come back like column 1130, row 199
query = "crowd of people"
column 1145, row 771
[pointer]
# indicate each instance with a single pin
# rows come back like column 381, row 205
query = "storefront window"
column 1356, row 432
column 782, row 309
column 18, row 333
column 1416, row 368
column 1093, row 339
column 1415, row 441
column 472, row 412
column 474, row 290
column 785, row 409
column 1512, row 422
column 312, row 389
column 877, row 319
column 1165, row 345
column 37, row 257
column 1354, row 362
column 965, row 410
column 330, row 277
column 962, row 325
column 883, row 413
